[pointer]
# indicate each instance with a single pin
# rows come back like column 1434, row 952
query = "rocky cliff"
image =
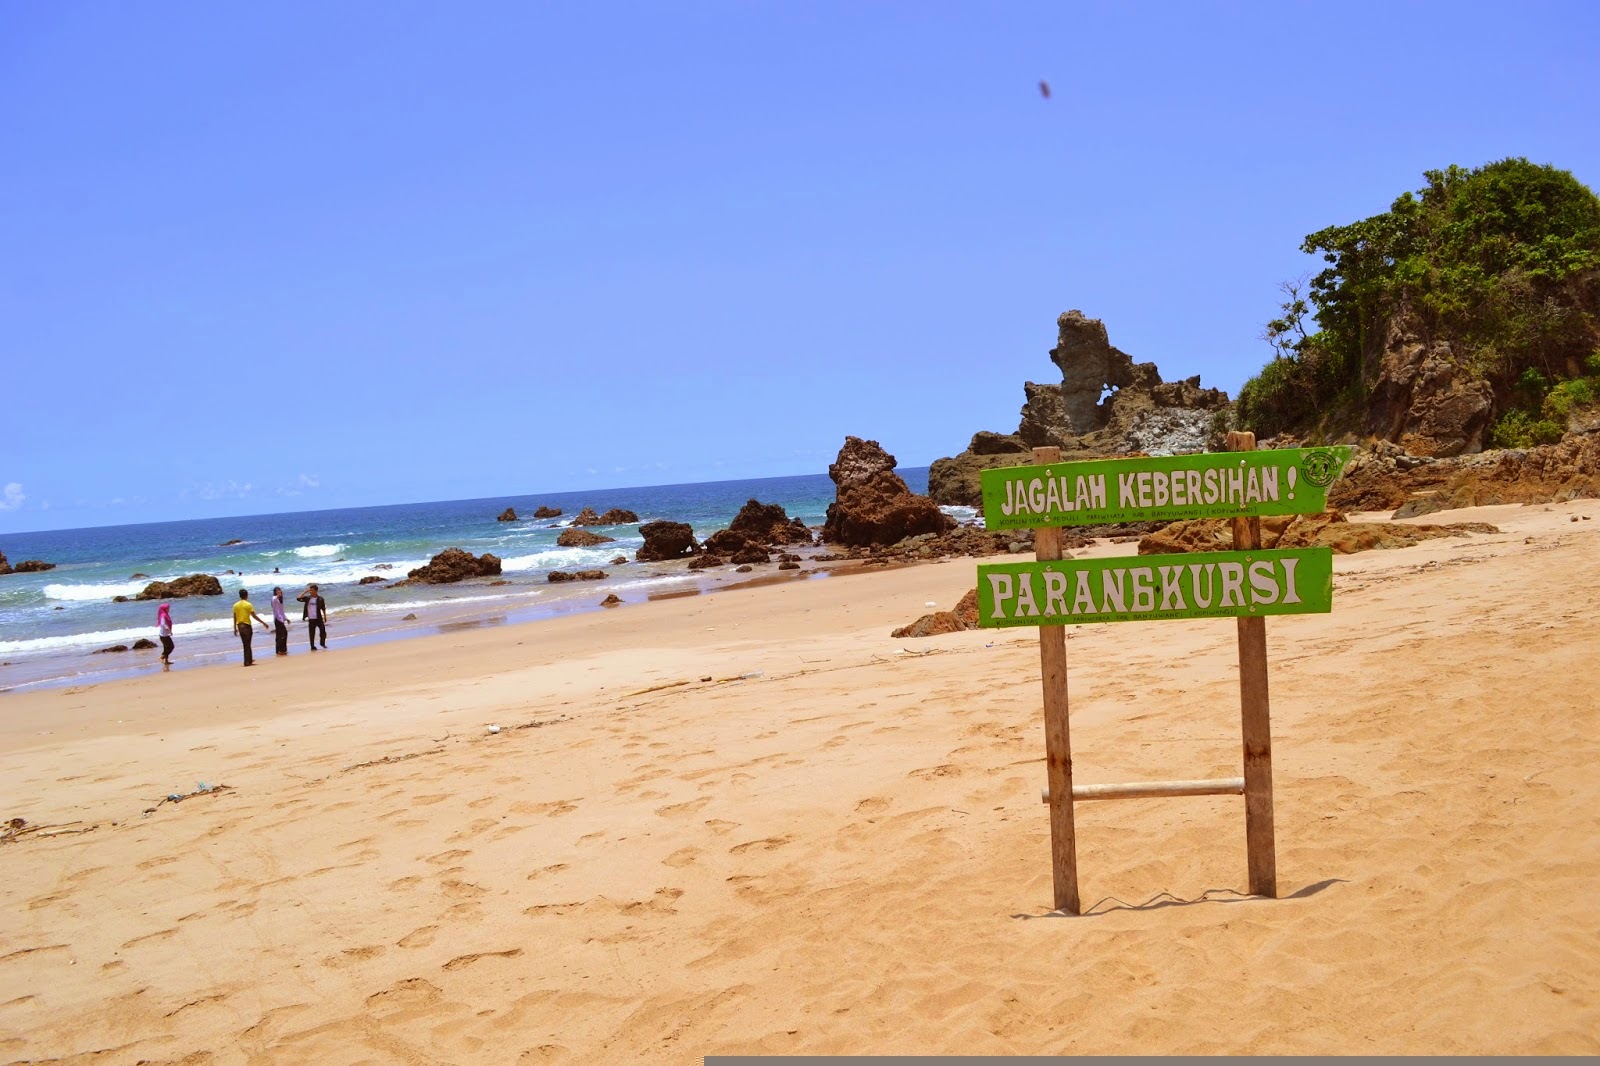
column 1105, row 405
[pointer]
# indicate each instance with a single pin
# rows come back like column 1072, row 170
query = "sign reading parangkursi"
column 1162, row 488
column 1151, row 587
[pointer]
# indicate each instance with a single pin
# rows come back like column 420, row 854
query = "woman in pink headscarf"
column 164, row 630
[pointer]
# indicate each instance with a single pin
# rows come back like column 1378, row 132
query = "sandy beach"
column 844, row 854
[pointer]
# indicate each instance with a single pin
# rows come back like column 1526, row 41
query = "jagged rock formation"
column 666, row 540
column 453, row 564
column 1105, row 405
column 193, row 585
column 508, row 515
column 618, row 516
column 32, row 566
column 5, row 567
column 872, row 505
column 573, row 537
column 1422, row 398
column 547, row 512
column 143, row 644
column 372, row 579
column 586, row 517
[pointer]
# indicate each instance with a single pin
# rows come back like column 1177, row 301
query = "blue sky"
column 291, row 256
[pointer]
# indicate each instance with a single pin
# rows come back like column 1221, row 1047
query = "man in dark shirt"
column 315, row 614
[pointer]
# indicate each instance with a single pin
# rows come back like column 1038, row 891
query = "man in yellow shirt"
column 243, row 611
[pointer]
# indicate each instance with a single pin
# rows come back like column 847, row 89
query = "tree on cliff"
column 1502, row 262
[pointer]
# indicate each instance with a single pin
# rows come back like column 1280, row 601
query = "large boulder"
column 666, row 540
column 508, row 515
column 33, row 566
column 453, row 564
column 586, row 517
column 5, row 567
column 573, row 537
column 545, row 511
column 193, row 585
column 872, row 505
column 558, row 576
column 769, row 523
column 618, row 516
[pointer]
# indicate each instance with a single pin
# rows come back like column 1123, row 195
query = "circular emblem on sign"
column 1321, row 467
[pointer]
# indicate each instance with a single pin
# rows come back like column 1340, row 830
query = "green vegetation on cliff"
column 1500, row 263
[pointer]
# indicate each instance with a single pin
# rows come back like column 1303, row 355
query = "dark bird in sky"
column 1044, row 89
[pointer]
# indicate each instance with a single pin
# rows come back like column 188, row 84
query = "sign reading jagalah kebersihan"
column 1162, row 488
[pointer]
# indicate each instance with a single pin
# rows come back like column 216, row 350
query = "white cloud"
column 228, row 490
column 303, row 482
column 13, row 496
column 309, row 481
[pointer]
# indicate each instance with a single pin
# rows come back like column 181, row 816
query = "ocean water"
column 51, row 623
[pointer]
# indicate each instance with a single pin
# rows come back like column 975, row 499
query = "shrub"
column 1518, row 429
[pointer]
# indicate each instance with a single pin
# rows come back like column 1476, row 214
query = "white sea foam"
column 556, row 558
column 110, row 636
column 93, row 592
column 320, row 551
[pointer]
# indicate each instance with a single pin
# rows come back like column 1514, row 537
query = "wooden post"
column 1057, row 737
column 1256, row 717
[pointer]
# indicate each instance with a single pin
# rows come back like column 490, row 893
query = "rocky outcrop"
column 617, row 516
column 230, row 543
column 452, row 565
column 750, row 553
column 558, row 576
column 1105, row 405
column 547, row 512
column 612, row 600
column 1384, row 477
column 1330, row 529
column 508, row 515
column 706, row 561
column 872, row 505
column 5, row 567
column 1422, row 398
column 573, row 537
column 768, row 523
column 193, row 585
column 32, row 566
column 666, row 540
column 112, row 648
column 965, row 616
column 372, row 579
column 143, row 644
column 621, row 560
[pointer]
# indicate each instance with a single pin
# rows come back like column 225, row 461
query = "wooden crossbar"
column 1227, row 786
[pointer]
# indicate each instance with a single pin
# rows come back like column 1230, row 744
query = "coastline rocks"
column 745, row 569
column 508, row 515
column 750, row 554
column 621, row 560
column 193, row 585
column 143, row 644
column 769, row 523
column 113, row 648
column 5, row 567
column 1330, row 529
column 383, row 566
column 964, row 617
column 372, row 579
column 618, row 516
column 788, row 566
column 547, row 512
column 453, row 564
column 872, row 505
column 707, row 561
column 1422, row 398
column 612, row 600
column 574, row 537
column 32, row 566
column 1105, row 405
column 230, row 543
column 138, row 577
column 666, row 540
column 586, row 517
column 557, row 576
column 412, row 617
column 119, row 599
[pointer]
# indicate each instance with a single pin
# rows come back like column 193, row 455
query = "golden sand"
column 846, row 854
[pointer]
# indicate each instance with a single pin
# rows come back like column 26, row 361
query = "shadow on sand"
column 1166, row 899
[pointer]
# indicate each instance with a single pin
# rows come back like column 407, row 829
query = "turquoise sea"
column 51, row 623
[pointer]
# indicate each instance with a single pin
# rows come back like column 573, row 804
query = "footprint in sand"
column 446, row 856
column 872, row 805
column 467, row 960
column 164, row 934
column 412, row 992
column 672, row 810
column 418, row 938
column 425, row 801
column 764, row 844
column 720, row 827
column 681, row 858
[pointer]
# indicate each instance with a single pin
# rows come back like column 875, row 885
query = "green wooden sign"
column 1162, row 488
column 1142, row 588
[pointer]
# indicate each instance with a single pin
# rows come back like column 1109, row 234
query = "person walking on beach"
column 280, row 621
column 164, row 631
column 315, row 613
column 243, row 611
